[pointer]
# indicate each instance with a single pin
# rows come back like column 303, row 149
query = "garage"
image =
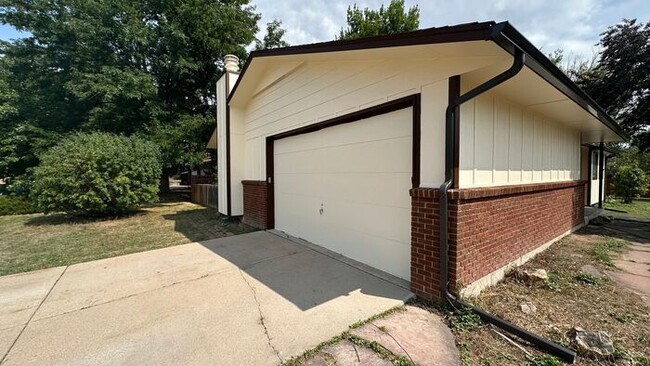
column 346, row 188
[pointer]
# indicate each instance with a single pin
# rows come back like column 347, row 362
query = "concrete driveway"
column 253, row 299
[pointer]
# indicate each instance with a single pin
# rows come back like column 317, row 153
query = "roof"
column 503, row 34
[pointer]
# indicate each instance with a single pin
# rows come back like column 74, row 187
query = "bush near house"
column 97, row 174
column 16, row 205
column 630, row 182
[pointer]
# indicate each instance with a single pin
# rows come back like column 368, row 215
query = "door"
column 346, row 188
column 593, row 176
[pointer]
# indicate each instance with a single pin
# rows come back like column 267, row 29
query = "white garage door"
column 346, row 188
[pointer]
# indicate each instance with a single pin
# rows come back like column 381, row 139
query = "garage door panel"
column 371, row 188
column 299, row 162
column 360, row 174
column 394, row 124
column 373, row 156
column 367, row 218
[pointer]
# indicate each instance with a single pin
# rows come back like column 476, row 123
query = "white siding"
column 503, row 143
column 317, row 91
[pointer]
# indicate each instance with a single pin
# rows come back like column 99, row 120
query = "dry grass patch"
column 570, row 298
column 31, row 242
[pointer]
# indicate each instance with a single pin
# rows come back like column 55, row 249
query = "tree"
column 133, row 67
column 390, row 20
column 620, row 82
column 273, row 36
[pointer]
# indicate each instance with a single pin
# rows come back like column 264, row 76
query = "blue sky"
column 573, row 25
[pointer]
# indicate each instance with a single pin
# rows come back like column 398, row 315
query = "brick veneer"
column 255, row 203
column 488, row 228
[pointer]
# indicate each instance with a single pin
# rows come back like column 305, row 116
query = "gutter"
column 451, row 115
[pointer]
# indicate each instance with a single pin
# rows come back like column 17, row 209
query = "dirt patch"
column 571, row 297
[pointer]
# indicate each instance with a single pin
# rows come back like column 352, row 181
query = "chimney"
column 231, row 63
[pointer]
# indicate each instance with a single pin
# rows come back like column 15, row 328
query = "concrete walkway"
column 254, row 299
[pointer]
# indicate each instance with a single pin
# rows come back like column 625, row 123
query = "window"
column 594, row 165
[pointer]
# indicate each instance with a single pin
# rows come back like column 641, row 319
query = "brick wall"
column 255, row 204
column 488, row 228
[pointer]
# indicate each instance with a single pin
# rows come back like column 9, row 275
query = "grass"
column 639, row 209
column 574, row 298
column 37, row 241
column 603, row 249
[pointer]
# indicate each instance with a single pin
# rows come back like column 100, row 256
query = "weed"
column 644, row 339
column 588, row 279
column 465, row 354
column 545, row 360
column 623, row 318
column 553, row 283
column 602, row 250
column 464, row 320
column 378, row 316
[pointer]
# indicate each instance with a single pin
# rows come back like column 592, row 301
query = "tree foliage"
column 273, row 37
column 97, row 174
column 143, row 67
column 630, row 172
column 620, row 80
column 389, row 20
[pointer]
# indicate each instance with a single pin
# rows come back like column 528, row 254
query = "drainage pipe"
column 450, row 133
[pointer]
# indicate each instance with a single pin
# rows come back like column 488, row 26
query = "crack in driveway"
column 259, row 309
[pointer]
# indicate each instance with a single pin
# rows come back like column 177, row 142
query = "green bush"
column 16, row 205
column 97, row 174
column 629, row 181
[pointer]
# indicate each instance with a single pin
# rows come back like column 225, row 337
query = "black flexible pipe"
column 451, row 113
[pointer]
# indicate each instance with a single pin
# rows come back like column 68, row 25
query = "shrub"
column 16, row 205
column 630, row 181
column 97, row 174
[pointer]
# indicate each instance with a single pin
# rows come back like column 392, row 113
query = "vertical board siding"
column 505, row 143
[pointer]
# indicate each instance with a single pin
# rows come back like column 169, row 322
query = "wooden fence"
column 205, row 194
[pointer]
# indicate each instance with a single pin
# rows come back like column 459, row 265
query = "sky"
column 573, row 25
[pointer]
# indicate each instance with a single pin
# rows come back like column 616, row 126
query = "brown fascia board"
column 503, row 34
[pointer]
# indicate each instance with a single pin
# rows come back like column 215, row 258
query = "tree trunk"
column 164, row 182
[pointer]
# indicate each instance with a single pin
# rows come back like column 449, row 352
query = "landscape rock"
column 592, row 343
column 528, row 307
column 531, row 277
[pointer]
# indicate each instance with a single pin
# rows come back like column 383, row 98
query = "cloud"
column 573, row 25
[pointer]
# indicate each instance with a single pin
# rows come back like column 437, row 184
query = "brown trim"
column 228, row 188
column 454, row 93
column 476, row 193
column 270, row 179
column 391, row 106
column 589, row 162
column 601, row 173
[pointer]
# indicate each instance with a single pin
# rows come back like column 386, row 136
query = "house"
column 442, row 156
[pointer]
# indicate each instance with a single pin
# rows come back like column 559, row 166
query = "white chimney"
column 231, row 63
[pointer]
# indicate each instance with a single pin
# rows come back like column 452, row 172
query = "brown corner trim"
column 391, row 106
column 454, row 93
column 476, row 193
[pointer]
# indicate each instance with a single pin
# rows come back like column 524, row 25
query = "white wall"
column 222, row 196
column 503, row 143
column 317, row 91
column 236, row 144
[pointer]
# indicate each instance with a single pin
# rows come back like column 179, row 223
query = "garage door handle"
column 321, row 209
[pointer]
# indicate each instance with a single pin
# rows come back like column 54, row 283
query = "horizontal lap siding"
column 504, row 143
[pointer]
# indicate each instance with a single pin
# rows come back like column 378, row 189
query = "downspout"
column 451, row 113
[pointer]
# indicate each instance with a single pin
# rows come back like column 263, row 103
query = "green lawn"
column 638, row 209
column 36, row 241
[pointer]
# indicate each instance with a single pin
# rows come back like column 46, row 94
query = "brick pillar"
column 256, row 204
column 425, row 243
